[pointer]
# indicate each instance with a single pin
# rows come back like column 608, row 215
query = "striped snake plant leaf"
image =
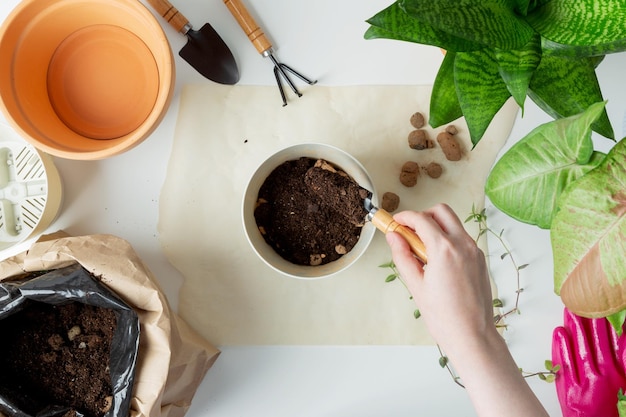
column 581, row 22
column 551, row 48
column 588, row 243
column 492, row 23
column 444, row 102
column 480, row 89
column 518, row 66
column 528, row 179
column 563, row 87
column 523, row 7
column 394, row 23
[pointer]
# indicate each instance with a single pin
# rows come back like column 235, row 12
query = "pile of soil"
column 293, row 219
column 58, row 355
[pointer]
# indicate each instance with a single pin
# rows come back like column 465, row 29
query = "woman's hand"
column 453, row 293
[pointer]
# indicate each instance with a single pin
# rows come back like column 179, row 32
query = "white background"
column 323, row 39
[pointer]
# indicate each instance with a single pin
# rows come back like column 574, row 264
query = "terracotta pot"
column 84, row 79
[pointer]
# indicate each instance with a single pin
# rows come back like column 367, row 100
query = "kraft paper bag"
column 173, row 359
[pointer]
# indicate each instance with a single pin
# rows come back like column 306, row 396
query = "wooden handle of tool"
column 249, row 25
column 385, row 223
column 170, row 14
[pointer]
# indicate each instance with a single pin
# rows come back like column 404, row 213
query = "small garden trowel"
column 205, row 50
column 342, row 193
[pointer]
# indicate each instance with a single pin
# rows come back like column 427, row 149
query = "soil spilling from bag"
column 302, row 227
column 58, row 355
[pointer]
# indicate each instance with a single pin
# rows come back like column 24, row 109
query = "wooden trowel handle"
column 249, row 25
column 385, row 223
column 170, row 14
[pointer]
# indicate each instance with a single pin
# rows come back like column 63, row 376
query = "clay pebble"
column 419, row 140
column 390, row 201
column 434, row 170
column 417, row 120
column 409, row 173
column 450, row 146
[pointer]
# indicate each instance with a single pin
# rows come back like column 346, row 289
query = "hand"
column 453, row 291
column 591, row 359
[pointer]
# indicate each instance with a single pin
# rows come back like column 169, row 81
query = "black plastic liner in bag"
column 59, row 287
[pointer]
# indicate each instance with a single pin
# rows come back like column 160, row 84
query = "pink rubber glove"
column 591, row 359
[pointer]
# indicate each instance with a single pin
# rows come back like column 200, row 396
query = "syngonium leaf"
column 588, row 236
column 444, row 102
column 492, row 23
column 518, row 66
column 394, row 23
column 528, row 179
column 621, row 403
column 564, row 87
column 581, row 22
column 480, row 89
column 617, row 321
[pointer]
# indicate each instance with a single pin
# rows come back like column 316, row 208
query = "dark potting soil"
column 296, row 223
column 58, row 355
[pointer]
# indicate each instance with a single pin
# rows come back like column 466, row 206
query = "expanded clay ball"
column 450, row 146
column 417, row 120
column 451, row 129
column 410, row 172
column 419, row 140
column 434, row 170
column 390, row 201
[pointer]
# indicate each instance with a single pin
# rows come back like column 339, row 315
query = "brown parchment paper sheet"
column 224, row 132
column 173, row 358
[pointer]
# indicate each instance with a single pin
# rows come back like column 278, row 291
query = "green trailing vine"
column 483, row 229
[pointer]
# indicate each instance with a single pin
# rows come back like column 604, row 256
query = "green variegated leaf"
column 563, row 87
column 588, row 237
column 444, row 103
column 492, row 23
column 480, row 89
column 394, row 23
column 621, row 403
column 528, row 179
column 523, row 7
column 551, row 48
column 581, row 22
column 518, row 66
column 617, row 321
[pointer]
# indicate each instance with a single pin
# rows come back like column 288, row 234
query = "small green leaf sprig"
column 480, row 217
column 395, row 275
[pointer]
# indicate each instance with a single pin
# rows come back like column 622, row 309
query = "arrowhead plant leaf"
column 528, row 179
column 588, row 236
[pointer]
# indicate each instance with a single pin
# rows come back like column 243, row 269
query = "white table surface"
column 322, row 39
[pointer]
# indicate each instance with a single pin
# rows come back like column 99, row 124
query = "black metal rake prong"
column 281, row 69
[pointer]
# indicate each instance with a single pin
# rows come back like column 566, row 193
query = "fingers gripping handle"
column 249, row 25
column 385, row 223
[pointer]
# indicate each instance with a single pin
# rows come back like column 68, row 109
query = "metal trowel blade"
column 207, row 52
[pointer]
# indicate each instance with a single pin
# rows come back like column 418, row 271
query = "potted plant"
column 554, row 179
column 547, row 50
